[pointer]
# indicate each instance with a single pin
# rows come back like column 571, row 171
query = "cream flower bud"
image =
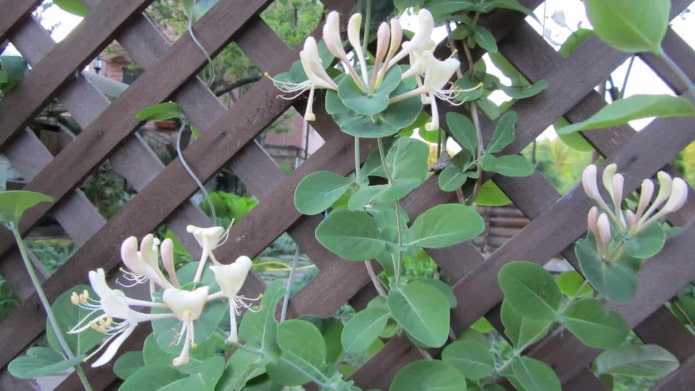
column 331, row 35
column 679, row 194
column 604, row 232
column 665, row 183
column 631, row 218
column 167, row 251
column 608, row 174
column 646, row 193
column 143, row 265
column 313, row 66
column 589, row 183
column 592, row 219
column 354, row 25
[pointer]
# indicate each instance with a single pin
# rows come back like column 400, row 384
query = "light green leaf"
column 504, row 132
column 594, row 326
column 301, row 343
column 13, row 70
column 68, row 316
column 442, row 226
column 634, row 107
column 630, row 25
column 40, row 361
column 407, row 160
column 491, row 195
column 463, row 131
column 384, row 194
column 451, row 178
column 442, row 287
column 525, row 91
column 471, row 356
column 152, row 377
column 508, row 165
column 160, row 112
column 614, row 281
column 14, row 203
column 637, row 360
column 369, row 104
column 428, row 375
column 575, row 40
column 482, row 325
column 485, row 39
column 240, row 367
column 647, row 243
column 521, row 330
column 331, row 329
column 258, row 329
column 363, row 329
column 128, row 363
column 75, row 7
column 318, row 191
column 530, row 290
column 573, row 140
column 422, row 310
column 535, row 375
column 570, row 282
column 351, row 235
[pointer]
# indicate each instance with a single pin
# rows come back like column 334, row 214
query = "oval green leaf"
column 535, row 375
column 445, row 225
column 160, row 112
column 637, row 360
column 471, row 356
column 614, row 281
column 318, row 191
column 40, row 361
column 363, row 329
column 594, row 326
column 351, row 235
column 521, row 330
column 14, row 203
column 428, row 375
column 422, row 310
column 530, row 290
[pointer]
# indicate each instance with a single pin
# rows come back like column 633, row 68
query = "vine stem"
column 47, row 306
column 681, row 74
column 473, row 108
column 399, row 260
column 375, row 280
column 189, row 170
column 358, row 174
column 288, row 286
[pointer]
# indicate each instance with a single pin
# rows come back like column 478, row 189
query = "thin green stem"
column 627, row 76
column 358, row 174
column 47, row 306
column 288, row 286
column 399, row 260
column 382, row 155
column 189, row 170
column 681, row 74
column 367, row 23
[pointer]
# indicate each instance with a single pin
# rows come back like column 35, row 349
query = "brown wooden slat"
column 13, row 12
column 48, row 77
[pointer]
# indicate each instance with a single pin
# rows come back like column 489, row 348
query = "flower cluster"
column 612, row 216
column 431, row 74
column 111, row 312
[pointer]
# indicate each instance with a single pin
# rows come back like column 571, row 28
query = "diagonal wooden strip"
column 13, row 12
column 48, row 77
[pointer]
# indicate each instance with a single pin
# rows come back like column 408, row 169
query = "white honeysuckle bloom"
column 143, row 263
column 422, row 36
column 167, row 251
column 676, row 199
column 353, row 31
column 187, row 307
column 209, row 239
column 231, row 278
column 110, row 315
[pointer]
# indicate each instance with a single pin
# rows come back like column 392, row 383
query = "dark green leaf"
column 351, row 235
column 407, row 159
column 647, row 243
column 128, row 363
column 521, row 330
column 375, row 194
column 451, row 178
column 76, row 7
column 442, row 287
column 160, row 112
column 422, row 310
column 634, row 107
column 630, row 25
column 503, row 134
column 14, row 203
column 318, row 191
column 485, row 39
column 525, row 91
column 508, row 165
column 369, row 104
column 428, row 375
column 575, row 40
column 441, row 226
column 530, row 290
column 40, row 361
column 13, row 70
column 259, row 329
column 463, row 131
column 614, row 281
column 471, row 356
column 153, row 377
column 363, row 329
column 637, row 360
column 594, row 326
column 535, row 375
column 302, row 344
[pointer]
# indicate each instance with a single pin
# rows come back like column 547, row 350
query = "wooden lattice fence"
column 228, row 138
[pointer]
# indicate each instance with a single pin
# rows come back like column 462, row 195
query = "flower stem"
column 375, row 279
column 679, row 72
column 358, row 174
column 47, row 306
column 288, row 286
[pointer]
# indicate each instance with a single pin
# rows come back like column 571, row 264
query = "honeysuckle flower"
column 209, row 239
column 354, row 25
column 143, row 263
column 187, row 307
column 167, row 251
column 231, row 278
column 111, row 315
column 423, row 34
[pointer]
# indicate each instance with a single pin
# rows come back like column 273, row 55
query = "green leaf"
column 491, row 195
column 160, row 112
column 594, row 326
column 301, row 343
column 14, row 203
column 522, row 331
column 482, row 325
column 258, row 329
column 442, row 287
column 463, row 131
column 573, row 140
column 526, row 91
column 535, row 375
column 508, row 165
column 570, row 282
column 240, row 367
column 504, row 132
column 630, row 25
column 451, row 178
column 331, row 329
column 428, row 375
column 13, row 70
column 441, row 226
column 614, row 281
column 407, row 160
column 318, row 191
column 128, row 363
column 376, row 194
column 40, row 361
column 485, row 39
column 422, row 310
column 634, row 107
column 363, row 329
column 471, row 356
column 68, row 316
column 574, row 41
column 75, row 7
column 637, row 360
column 355, row 99
column 386, row 123
column 530, row 290
column 152, row 377
column 647, row 243
column 351, row 235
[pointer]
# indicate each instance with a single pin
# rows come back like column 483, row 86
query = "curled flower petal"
column 231, row 278
column 331, row 35
column 187, row 307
